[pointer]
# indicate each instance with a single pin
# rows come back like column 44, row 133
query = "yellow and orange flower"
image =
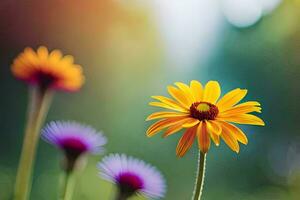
column 48, row 69
column 204, row 116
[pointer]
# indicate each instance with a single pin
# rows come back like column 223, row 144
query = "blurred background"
column 131, row 50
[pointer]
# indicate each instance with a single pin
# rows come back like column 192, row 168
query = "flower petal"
column 174, row 128
column 212, row 92
column 215, row 126
column 186, row 141
column 197, row 90
column 164, row 123
column 231, row 98
column 229, row 139
column 203, row 137
column 170, row 102
column 192, row 122
column 163, row 105
column 243, row 119
column 214, row 136
column 179, row 96
column 187, row 92
column 42, row 52
column 158, row 115
column 238, row 133
column 236, row 110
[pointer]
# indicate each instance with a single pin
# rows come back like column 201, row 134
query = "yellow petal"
column 212, row 92
column 42, row 52
column 192, row 122
column 163, row 105
column 186, row 141
column 240, row 110
column 203, row 137
column 249, row 103
column 238, row 133
column 215, row 137
column 55, row 56
column 231, row 98
column 170, row 102
column 197, row 90
column 215, row 126
column 243, row 119
column 179, row 96
column 229, row 139
column 158, row 115
column 187, row 92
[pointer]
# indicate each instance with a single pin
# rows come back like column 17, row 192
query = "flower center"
column 204, row 111
column 129, row 183
column 73, row 147
column 44, row 79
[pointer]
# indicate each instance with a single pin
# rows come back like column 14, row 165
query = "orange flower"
column 204, row 117
column 48, row 70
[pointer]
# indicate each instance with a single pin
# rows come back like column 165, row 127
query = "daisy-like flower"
column 204, row 116
column 48, row 69
column 74, row 140
column 132, row 176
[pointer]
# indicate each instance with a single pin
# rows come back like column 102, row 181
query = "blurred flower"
column 198, row 110
column 132, row 176
column 48, row 69
column 73, row 139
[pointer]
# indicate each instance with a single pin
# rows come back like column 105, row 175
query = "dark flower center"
column 204, row 111
column 44, row 79
column 129, row 183
column 73, row 147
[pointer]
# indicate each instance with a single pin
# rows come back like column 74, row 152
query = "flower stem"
column 37, row 110
column 121, row 196
column 68, row 185
column 200, row 176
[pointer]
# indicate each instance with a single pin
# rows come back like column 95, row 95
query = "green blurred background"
column 131, row 50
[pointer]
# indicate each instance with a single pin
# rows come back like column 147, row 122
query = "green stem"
column 121, row 196
column 200, row 177
column 68, row 186
column 37, row 110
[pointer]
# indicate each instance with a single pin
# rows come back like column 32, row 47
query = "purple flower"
column 73, row 139
column 132, row 176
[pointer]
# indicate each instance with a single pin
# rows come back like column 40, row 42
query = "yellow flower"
column 48, row 69
column 204, row 117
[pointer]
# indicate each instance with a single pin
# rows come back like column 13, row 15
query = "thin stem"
column 120, row 196
column 37, row 110
column 200, row 176
column 68, row 186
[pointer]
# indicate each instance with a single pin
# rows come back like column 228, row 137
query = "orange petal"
column 238, row 133
column 186, row 141
column 175, row 127
column 212, row 92
column 158, row 115
column 197, row 90
column 203, row 137
column 231, row 98
column 156, row 127
column 230, row 139
column 243, row 119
